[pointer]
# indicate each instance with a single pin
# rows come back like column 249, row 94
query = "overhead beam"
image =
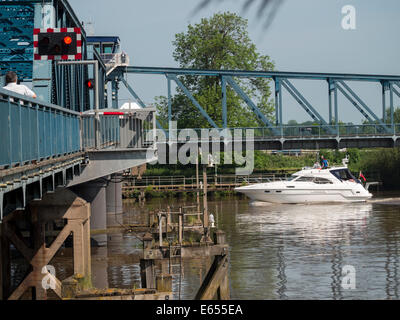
column 224, row 104
column 262, row 74
column 357, row 102
column 194, row 101
column 395, row 91
column 251, row 104
column 304, row 103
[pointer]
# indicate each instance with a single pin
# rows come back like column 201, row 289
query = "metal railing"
column 190, row 182
column 32, row 130
column 113, row 60
column 116, row 129
column 301, row 131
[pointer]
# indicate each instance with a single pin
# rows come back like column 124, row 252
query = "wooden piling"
column 205, row 202
column 180, row 226
column 160, row 229
column 169, row 221
column 219, row 237
column 164, row 283
column 147, row 273
column 147, row 265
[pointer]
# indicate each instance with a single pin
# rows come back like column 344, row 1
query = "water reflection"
column 276, row 251
column 284, row 251
column 312, row 223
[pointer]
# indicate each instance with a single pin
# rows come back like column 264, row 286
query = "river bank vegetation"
column 381, row 165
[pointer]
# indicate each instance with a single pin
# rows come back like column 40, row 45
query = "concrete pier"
column 114, row 194
column 94, row 192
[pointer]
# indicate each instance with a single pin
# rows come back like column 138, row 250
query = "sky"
column 305, row 36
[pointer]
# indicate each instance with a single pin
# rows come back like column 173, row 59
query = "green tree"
column 221, row 42
column 396, row 116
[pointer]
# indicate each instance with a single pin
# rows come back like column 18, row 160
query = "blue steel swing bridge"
column 63, row 139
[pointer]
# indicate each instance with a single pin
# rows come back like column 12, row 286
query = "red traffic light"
column 67, row 40
column 57, row 43
column 90, row 84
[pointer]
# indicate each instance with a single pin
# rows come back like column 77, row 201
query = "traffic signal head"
column 54, row 44
column 90, row 84
column 64, row 43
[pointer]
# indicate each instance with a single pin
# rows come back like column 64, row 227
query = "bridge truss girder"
column 60, row 85
column 16, row 38
column 336, row 83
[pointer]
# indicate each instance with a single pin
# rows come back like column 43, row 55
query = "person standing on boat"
column 325, row 164
column 322, row 162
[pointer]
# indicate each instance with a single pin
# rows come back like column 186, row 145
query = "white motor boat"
column 310, row 185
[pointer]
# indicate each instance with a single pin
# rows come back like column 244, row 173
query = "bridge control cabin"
column 105, row 45
column 109, row 49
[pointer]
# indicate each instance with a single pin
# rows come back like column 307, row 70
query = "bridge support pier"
column 4, row 265
column 114, row 195
column 1, row 263
column 94, row 192
column 60, row 206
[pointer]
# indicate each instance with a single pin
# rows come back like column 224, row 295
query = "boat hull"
column 306, row 196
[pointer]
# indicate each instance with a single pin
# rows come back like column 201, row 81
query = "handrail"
column 33, row 130
column 299, row 131
column 14, row 95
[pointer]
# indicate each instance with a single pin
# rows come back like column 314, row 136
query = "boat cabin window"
column 322, row 181
column 305, row 179
column 344, row 175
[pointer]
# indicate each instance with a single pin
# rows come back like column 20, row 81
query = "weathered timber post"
column 206, row 236
column 147, row 271
column 169, row 219
column 180, row 226
column 164, row 283
column 223, row 290
column 219, row 237
column 164, row 280
column 205, row 202
column 216, row 282
column 152, row 219
column 197, row 187
column 160, row 229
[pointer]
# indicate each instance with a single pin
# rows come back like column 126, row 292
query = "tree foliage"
column 218, row 43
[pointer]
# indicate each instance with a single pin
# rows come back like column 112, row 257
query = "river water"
column 276, row 251
column 285, row 251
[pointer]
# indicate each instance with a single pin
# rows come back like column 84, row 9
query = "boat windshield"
column 344, row 175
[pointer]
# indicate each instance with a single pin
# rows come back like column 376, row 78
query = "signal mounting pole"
column 95, row 63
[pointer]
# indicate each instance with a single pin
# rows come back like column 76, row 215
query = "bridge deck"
column 45, row 147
